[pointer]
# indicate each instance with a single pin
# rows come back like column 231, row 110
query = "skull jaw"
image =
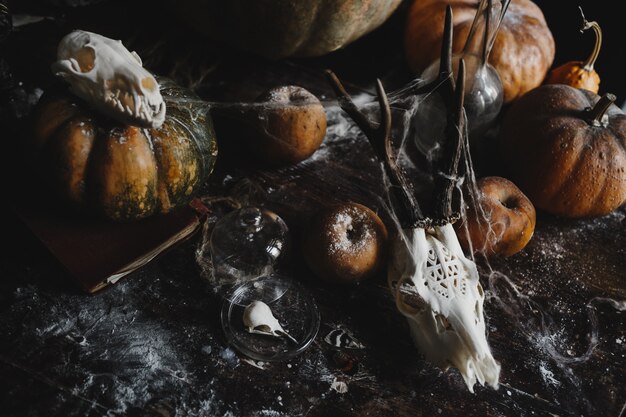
column 117, row 111
column 450, row 349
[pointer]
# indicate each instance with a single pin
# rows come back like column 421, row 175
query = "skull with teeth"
column 438, row 290
column 104, row 73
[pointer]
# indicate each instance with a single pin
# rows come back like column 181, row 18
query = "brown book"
column 98, row 253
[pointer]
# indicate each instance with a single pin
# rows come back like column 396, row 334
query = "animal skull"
column 104, row 73
column 437, row 288
column 258, row 318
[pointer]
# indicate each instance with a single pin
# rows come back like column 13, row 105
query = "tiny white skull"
column 437, row 288
column 258, row 318
column 104, row 73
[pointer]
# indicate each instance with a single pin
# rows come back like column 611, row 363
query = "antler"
column 446, row 180
column 444, row 82
column 380, row 138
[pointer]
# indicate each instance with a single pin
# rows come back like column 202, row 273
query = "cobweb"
column 556, row 347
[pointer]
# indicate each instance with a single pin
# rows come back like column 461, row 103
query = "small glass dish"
column 290, row 303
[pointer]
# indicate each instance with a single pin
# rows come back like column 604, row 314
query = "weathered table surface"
column 152, row 344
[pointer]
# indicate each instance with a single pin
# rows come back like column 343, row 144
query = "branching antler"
column 379, row 136
column 446, row 180
column 380, row 139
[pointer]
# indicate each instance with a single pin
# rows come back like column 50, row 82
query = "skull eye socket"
column 149, row 84
column 481, row 293
column 263, row 328
column 442, row 323
column 86, row 58
column 478, row 312
column 407, row 294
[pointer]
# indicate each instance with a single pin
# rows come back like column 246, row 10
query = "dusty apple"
column 288, row 127
column 345, row 243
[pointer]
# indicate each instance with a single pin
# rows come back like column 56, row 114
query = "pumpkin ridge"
column 206, row 149
column 118, row 174
column 569, row 178
column 603, row 194
column 588, row 154
column 202, row 158
column 128, row 179
column 620, row 143
column 92, row 141
column 89, row 165
column 557, row 180
column 305, row 40
column 40, row 134
column 162, row 192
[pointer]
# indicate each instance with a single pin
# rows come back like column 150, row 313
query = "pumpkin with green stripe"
column 124, row 172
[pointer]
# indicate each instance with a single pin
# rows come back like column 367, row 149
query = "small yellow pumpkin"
column 580, row 74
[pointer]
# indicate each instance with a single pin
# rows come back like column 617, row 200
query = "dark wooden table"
column 152, row 344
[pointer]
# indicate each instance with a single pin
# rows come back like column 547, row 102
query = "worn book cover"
column 98, row 253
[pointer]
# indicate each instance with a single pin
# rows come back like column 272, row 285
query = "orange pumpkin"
column 522, row 53
column 122, row 172
column 566, row 149
column 580, row 74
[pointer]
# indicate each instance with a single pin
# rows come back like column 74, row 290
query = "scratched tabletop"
column 152, row 344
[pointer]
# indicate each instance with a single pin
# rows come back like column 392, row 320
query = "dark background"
column 366, row 57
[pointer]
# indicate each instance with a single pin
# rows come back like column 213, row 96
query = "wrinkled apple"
column 502, row 222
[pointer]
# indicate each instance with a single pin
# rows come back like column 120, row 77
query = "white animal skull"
column 104, row 73
column 437, row 288
column 258, row 318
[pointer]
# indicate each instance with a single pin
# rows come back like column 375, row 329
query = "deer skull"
column 436, row 287
column 104, row 73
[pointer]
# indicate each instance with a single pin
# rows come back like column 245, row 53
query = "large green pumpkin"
column 119, row 171
column 282, row 28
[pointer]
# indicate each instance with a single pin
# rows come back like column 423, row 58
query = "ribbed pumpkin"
column 282, row 28
column 123, row 172
column 522, row 53
column 566, row 149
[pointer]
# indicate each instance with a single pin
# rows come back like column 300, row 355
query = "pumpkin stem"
column 591, row 60
column 596, row 114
